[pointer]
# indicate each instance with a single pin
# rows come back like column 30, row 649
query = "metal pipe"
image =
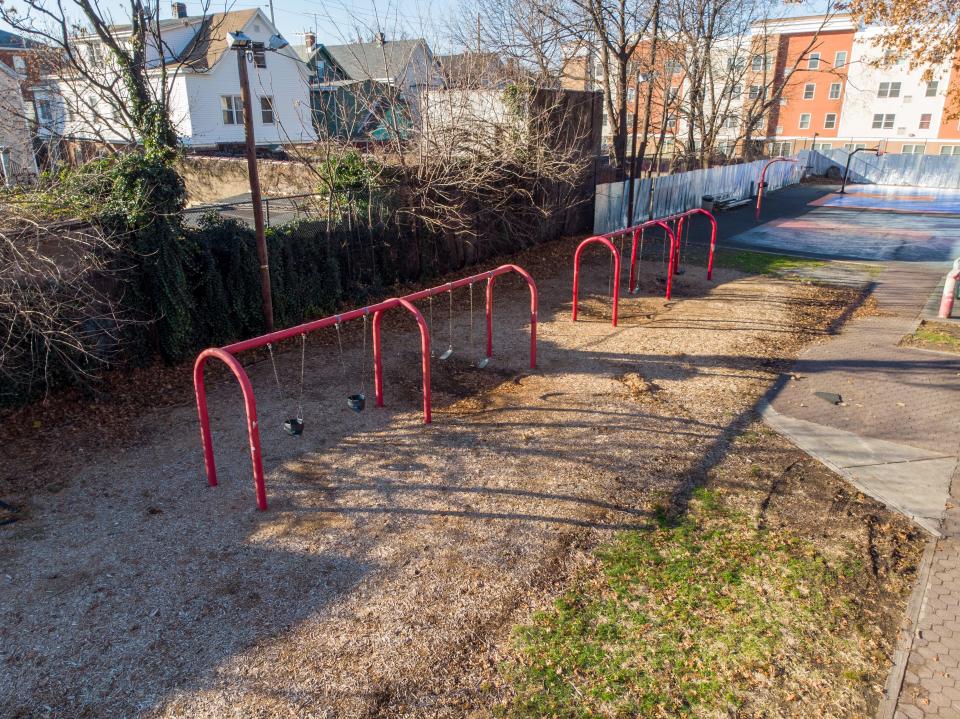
column 250, row 405
column 616, row 273
column 846, row 169
column 534, row 305
column 713, row 233
column 950, row 286
column 763, row 174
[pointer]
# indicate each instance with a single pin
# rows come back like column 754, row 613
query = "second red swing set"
column 673, row 228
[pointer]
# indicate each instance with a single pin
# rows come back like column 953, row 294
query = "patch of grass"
column 764, row 263
column 702, row 617
column 934, row 336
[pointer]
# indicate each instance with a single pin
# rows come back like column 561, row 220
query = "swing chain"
column 471, row 319
column 343, row 367
column 363, row 375
column 276, row 375
column 433, row 352
column 303, row 361
column 450, row 315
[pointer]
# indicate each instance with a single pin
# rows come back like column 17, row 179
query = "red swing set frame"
column 227, row 354
column 673, row 236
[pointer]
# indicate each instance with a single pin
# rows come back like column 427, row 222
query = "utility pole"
column 241, row 44
column 272, row 21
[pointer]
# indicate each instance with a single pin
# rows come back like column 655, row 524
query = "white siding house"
column 203, row 87
column 17, row 163
column 886, row 100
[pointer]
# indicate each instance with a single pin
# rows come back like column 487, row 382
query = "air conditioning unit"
column 783, row 101
column 901, row 131
column 907, row 98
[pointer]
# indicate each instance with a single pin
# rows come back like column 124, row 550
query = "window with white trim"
column 931, row 90
column 950, row 149
column 813, row 62
column 888, row 89
column 840, row 59
column 232, row 107
column 925, row 120
column 266, row 110
column 732, row 122
column 835, row 88
column 805, row 121
column 883, row 121
column 757, row 92
column 911, row 150
column 808, row 90
column 830, row 121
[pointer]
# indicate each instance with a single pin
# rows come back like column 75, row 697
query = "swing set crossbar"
column 673, row 235
column 227, row 354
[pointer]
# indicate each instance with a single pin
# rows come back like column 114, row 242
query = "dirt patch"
column 394, row 557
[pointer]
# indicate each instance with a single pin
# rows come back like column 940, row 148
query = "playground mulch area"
column 394, row 558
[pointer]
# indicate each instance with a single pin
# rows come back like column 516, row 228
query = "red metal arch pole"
column 616, row 273
column 534, row 304
column 250, row 405
column 713, row 234
column 424, row 351
column 763, row 174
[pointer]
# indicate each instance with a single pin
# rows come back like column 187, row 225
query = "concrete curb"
column 907, row 635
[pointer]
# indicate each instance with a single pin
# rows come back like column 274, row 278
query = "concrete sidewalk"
column 888, row 419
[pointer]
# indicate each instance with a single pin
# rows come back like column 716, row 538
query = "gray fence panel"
column 942, row 171
column 684, row 190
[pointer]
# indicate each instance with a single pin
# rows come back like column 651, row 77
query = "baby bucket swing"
column 292, row 425
column 356, row 401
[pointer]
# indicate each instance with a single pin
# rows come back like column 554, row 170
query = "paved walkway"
column 894, row 431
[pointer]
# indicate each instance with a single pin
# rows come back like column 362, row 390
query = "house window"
column 883, row 122
column 853, row 146
column 232, row 106
column 912, row 150
column 932, row 88
column 736, row 90
column 840, row 59
column 756, row 92
column 671, row 123
column 780, row 149
column 830, row 121
column 732, row 122
column 757, row 63
column 671, row 67
column 44, row 113
column 259, row 55
column 925, row 119
column 813, row 62
column 672, row 94
column 950, row 149
column 631, row 94
column 888, row 89
column 808, row 91
column 805, row 121
column 19, row 64
column 822, row 146
column 834, row 91
column 266, row 110
column 96, row 53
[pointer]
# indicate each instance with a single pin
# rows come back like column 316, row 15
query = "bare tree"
column 59, row 299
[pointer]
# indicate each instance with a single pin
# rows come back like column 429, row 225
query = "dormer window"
column 259, row 55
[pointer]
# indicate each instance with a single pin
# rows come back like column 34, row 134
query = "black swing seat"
column 293, row 426
column 356, row 402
